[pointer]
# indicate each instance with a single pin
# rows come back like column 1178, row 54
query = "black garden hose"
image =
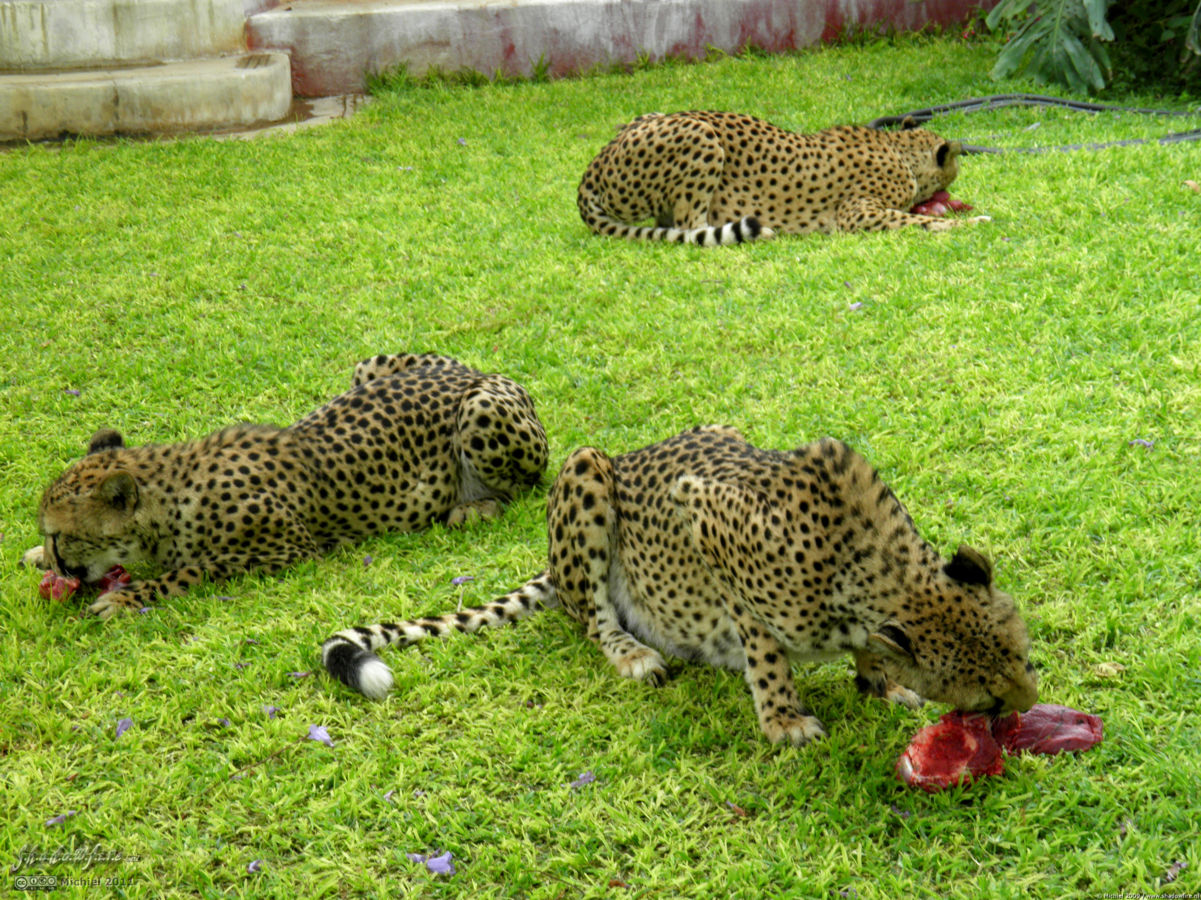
column 997, row 101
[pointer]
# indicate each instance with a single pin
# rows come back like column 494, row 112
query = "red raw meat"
column 963, row 746
column 1047, row 728
column 938, row 204
column 62, row 587
column 956, row 749
column 57, row 587
column 113, row 580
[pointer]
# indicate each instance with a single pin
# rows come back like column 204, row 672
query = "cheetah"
column 416, row 438
column 714, row 178
column 708, row 548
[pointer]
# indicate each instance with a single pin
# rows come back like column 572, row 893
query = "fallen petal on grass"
column 438, row 865
column 270, row 711
column 59, row 819
column 462, row 579
column 255, row 865
column 584, row 778
column 318, row 733
column 123, row 725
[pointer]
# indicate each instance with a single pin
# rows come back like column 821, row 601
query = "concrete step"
column 51, row 35
column 194, row 95
column 333, row 43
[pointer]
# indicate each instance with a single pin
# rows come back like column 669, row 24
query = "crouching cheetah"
column 722, row 178
column 416, row 438
column 709, row 548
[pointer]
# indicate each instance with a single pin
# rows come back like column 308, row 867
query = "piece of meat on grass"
column 57, row 587
column 1047, row 728
column 957, row 749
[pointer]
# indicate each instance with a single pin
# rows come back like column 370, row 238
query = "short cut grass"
column 1031, row 386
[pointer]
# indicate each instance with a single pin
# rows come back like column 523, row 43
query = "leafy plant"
column 1064, row 41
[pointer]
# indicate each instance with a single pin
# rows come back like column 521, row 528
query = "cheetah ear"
column 106, row 439
column 946, row 152
column 968, row 566
column 892, row 641
column 118, row 491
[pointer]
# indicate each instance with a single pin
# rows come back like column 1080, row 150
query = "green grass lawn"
column 1001, row 377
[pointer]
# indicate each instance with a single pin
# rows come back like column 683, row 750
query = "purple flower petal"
column 255, row 866
column 144, row 610
column 300, row 674
column 462, row 142
column 388, row 796
column 367, row 560
column 856, row 305
column 249, row 641
column 72, row 391
column 318, row 733
column 585, row 778
column 241, row 665
column 270, row 711
column 462, row 579
column 416, row 857
column 441, row 865
column 58, row 820
column 1143, row 442
column 123, row 725
column 225, row 722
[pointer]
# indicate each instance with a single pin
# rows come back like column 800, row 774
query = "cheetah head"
column 92, row 516
column 933, row 162
column 966, row 646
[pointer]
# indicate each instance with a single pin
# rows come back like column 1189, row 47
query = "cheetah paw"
column 797, row 730
column 642, row 665
column 466, row 513
column 34, row 558
column 114, row 603
column 902, row 695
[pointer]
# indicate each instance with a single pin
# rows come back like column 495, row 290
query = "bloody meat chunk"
column 938, row 204
column 62, row 587
column 1047, row 728
column 57, row 587
column 958, row 748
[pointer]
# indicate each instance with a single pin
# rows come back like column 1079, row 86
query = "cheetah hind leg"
column 583, row 540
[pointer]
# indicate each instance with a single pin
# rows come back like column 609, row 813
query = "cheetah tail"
column 350, row 657
column 748, row 228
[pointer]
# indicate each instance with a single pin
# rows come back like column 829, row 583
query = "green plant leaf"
column 1193, row 41
column 1097, row 23
column 1083, row 62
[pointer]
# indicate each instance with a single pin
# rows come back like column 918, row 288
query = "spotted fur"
column 416, row 438
column 722, row 178
column 708, row 548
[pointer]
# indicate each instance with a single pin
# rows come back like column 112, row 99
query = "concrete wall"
column 333, row 44
column 67, row 34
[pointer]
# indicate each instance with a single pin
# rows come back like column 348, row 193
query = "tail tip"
column 375, row 678
column 357, row 668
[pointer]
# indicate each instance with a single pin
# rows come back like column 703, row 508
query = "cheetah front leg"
column 718, row 516
column 276, row 540
column 582, row 524
column 872, row 214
